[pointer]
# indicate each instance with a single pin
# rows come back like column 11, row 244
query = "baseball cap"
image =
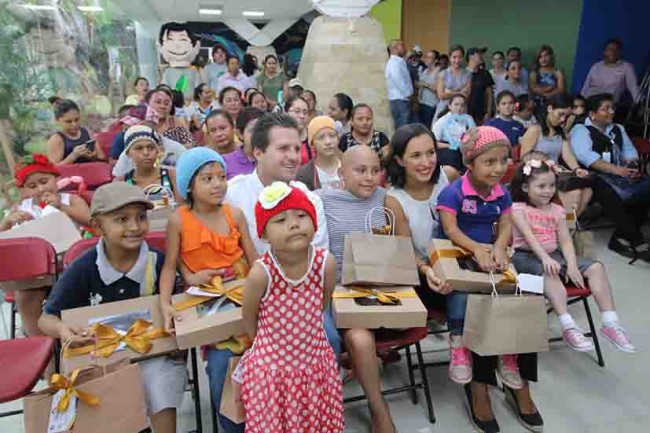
column 295, row 82
column 116, row 195
column 473, row 50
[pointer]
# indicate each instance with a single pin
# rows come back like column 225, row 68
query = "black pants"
column 628, row 218
column 452, row 158
column 484, row 367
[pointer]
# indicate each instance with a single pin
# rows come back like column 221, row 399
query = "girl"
column 498, row 70
column 545, row 80
column 364, row 133
column 220, row 130
column 543, row 246
column 36, row 178
column 340, row 109
column 323, row 170
column 230, row 101
column 242, row 161
column 204, row 238
column 504, row 121
column 141, row 144
column 513, row 81
column 271, row 81
column 453, row 80
column 298, row 109
column 73, row 143
column 258, row 100
column 449, row 128
column 470, row 209
column 524, row 109
column 162, row 113
column 578, row 114
column 549, row 137
column 290, row 375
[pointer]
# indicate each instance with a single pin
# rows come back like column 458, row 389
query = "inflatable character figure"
column 179, row 47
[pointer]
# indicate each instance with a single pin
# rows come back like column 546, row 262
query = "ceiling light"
column 39, row 7
column 210, row 11
column 254, row 14
column 90, row 8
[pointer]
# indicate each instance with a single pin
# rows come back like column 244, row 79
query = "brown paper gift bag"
column 500, row 324
column 122, row 406
column 231, row 409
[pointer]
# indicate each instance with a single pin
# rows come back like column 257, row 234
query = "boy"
column 116, row 270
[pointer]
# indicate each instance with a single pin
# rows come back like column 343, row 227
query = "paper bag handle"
column 495, row 293
column 388, row 213
column 167, row 192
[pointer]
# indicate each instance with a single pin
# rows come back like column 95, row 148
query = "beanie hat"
column 140, row 132
column 318, row 123
column 477, row 141
column 190, row 162
column 36, row 163
column 279, row 197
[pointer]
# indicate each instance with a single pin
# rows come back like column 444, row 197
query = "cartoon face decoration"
column 177, row 45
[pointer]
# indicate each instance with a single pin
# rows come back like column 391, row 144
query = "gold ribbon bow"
column 60, row 382
column 386, row 298
column 234, row 293
column 508, row 277
column 138, row 338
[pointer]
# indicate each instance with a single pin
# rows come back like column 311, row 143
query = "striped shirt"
column 346, row 213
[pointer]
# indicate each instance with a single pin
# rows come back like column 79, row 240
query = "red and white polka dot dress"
column 291, row 382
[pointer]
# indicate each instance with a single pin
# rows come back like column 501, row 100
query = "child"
column 524, row 109
column 578, row 114
column 73, row 144
column 470, row 209
column 116, row 270
column 206, row 238
column 449, row 128
column 290, row 375
column 36, row 179
column 504, row 119
column 543, row 246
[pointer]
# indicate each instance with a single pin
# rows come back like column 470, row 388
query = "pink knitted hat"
column 479, row 140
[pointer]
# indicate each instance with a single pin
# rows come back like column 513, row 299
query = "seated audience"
column 230, row 101
column 449, row 128
column 73, row 144
column 362, row 132
column 298, row 109
column 498, row 70
column 162, row 113
column 219, row 130
column 514, row 81
column 310, row 97
column 323, row 170
column 180, row 111
column 578, row 114
column 604, row 147
column 504, row 119
column 132, row 116
column 258, row 100
column 203, row 104
column 524, row 111
column 514, row 54
column 242, row 160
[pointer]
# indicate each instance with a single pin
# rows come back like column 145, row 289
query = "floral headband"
column 537, row 163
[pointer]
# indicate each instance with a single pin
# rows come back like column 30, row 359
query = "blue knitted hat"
column 190, row 162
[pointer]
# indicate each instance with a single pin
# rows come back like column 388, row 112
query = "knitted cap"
column 279, row 197
column 479, row 140
column 190, row 162
column 140, row 132
column 36, row 163
column 318, row 123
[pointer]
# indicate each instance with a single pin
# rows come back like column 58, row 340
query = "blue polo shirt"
column 514, row 130
column 92, row 280
column 476, row 215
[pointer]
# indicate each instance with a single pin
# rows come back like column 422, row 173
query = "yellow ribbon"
column 60, row 382
column 508, row 277
column 387, row 298
column 138, row 338
column 235, row 294
column 449, row 253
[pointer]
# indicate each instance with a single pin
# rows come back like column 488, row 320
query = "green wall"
column 389, row 15
column 500, row 24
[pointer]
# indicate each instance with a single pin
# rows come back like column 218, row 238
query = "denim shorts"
column 527, row 262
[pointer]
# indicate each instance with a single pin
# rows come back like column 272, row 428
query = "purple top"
column 612, row 79
column 238, row 163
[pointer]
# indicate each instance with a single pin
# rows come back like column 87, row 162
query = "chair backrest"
column 105, row 141
column 26, row 259
column 157, row 240
column 154, row 239
column 95, row 174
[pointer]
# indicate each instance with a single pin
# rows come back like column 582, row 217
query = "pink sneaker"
column 508, row 371
column 460, row 367
column 576, row 340
column 618, row 336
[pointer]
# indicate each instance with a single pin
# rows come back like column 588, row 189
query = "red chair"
column 510, row 173
column 105, row 141
column 26, row 259
column 575, row 295
column 95, row 174
column 643, row 147
column 155, row 240
column 23, row 361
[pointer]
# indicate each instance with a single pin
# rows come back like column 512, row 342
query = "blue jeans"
column 426, row 115
column 217, row 367
column 401, row 111
column 456, row 305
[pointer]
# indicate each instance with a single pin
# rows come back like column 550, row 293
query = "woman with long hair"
column 545, row 79
column 513, row 81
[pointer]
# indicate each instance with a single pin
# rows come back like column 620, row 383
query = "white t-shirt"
column 28, row 205
column 329, row 180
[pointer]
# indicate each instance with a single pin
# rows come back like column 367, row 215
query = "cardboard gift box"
column 457, row 267
column 210, row 321
column 154, row 335
column 231, row 409
column 119, row 404
column 62, row 238
column 357, row 307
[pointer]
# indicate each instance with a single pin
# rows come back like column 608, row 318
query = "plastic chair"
column 77, row 249
column 157, row 240
column 23, row 361
column 510, row 173
column 95, row 174
column 105, row 141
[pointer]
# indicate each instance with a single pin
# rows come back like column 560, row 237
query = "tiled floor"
column 573, row 394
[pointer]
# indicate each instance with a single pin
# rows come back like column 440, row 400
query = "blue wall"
column 627, row 20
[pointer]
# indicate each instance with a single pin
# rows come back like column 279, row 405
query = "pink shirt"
column 543, row 223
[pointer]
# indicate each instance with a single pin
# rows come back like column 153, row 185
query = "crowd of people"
column 264, row 180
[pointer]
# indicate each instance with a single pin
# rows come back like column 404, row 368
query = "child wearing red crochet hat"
column 36, row 179
column 289, row 378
